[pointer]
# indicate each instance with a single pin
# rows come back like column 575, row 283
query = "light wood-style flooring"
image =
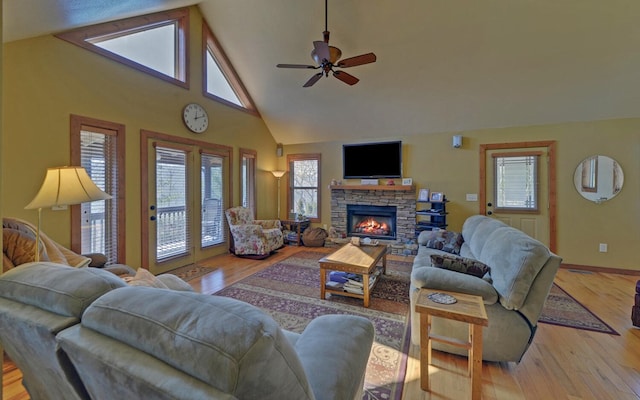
column 562, row 363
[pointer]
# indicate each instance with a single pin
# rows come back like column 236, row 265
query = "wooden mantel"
column 398, row 188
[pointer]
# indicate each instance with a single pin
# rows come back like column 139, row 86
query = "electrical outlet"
column 472, row 197
column 603, row 248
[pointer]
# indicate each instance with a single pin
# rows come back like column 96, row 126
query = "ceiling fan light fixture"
column 334, row 55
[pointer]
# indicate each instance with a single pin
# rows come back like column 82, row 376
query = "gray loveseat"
column 521, row 274
column 82, row 333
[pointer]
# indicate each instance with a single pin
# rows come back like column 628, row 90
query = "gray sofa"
column 83, row 333
column 521, row 274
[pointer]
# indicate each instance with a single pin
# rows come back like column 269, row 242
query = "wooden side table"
column 296, row 225
column 469, row 309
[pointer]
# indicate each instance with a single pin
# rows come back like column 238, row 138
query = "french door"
column 186, row 191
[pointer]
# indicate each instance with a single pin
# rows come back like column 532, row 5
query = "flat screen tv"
column 372, row 160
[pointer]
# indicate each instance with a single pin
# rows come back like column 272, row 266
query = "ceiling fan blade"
column 346, row 78
column 357, row 60
column 313, row 80
column 321, row 51
column 296, row 66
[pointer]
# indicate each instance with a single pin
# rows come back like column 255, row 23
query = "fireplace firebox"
column 376, row 222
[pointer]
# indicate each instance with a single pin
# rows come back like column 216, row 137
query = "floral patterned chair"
column 252, row 237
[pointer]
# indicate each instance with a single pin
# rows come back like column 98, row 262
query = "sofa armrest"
column 443, row 279
column 342, row 342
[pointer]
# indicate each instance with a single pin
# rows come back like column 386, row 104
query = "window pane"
column 211, row 197
column 217, row 83
column 304, row 190
column 154, row 48
column 306, row 173
column 172, row 224
column 99, row 228
column 516, row 182
column 305, row 202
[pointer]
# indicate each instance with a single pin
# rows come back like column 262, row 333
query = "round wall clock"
column 195, row 118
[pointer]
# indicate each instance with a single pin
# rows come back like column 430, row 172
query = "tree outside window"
column 304, row 185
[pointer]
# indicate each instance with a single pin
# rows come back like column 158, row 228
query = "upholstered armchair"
column 252, row 237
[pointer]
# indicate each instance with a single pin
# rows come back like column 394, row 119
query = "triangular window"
column 155, row 44
column 221, row 82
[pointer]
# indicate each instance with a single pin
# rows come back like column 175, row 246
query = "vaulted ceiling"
column 443, row 66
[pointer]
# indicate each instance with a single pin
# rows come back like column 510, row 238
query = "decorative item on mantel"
column 391, row 182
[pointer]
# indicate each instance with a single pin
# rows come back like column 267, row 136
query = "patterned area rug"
column 290, row 292
column 562, row 309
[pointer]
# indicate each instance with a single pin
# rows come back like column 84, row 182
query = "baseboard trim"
column 605, row 270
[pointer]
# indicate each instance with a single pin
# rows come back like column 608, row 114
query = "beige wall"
column 433, row 163
column 47, row 79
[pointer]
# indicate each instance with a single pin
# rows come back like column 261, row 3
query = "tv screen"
column 372, row 160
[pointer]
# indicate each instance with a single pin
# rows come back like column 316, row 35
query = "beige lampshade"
column 66, row 186
column 278, row 174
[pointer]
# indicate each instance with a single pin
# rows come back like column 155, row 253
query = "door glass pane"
column 211, row 200
column 516, row 182
column 172, row 225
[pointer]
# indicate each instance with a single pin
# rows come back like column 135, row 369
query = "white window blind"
column 516, row 182
column 99, row 222
column 211, row 198
column 172, row 219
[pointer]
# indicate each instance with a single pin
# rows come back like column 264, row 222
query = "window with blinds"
column 99, row 221
column 212, row 185
column 516, row 182
column 172, row 219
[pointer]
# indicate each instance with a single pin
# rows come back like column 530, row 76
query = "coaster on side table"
column 442, row 298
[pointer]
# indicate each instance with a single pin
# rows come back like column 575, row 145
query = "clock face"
column 195, row 118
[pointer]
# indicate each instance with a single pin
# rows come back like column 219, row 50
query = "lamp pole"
column 278, row 174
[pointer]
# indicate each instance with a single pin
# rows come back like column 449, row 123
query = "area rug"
column 290, row 292
column 563, row 310
column 190, row 272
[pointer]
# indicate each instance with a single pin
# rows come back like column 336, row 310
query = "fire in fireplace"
column 376, row 222
column 370, row 226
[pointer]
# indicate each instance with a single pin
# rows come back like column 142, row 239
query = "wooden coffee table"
column 361, row 260
column 469, row 309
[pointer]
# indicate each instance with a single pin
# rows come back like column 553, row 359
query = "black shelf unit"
column 433, row 217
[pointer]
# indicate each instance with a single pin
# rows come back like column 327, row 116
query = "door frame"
column 145, row 136
column 551, row 171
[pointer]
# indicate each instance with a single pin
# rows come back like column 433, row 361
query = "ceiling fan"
column 326, row 58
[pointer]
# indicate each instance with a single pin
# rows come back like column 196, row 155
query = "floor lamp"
column 64, row 186
column 278, row 174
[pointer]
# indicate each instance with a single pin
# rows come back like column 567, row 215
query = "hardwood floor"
column 562, row 363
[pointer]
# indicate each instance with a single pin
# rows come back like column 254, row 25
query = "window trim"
column 304, row 157
column 209, row 42
column 82, row 37
column 76, row 124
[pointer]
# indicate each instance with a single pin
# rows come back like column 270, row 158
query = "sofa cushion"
column 460, row 264
column 515, row 259
column 441, row 240
column 57, row 288
column 232, row 346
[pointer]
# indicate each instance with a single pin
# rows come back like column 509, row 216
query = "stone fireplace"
column 402, row 198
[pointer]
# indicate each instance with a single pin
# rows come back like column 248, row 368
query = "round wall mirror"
column 598, row 178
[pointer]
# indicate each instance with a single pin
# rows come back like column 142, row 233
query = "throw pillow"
column 20, row 247
column 442, row 240
column 460, row 264
column 145, row 278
